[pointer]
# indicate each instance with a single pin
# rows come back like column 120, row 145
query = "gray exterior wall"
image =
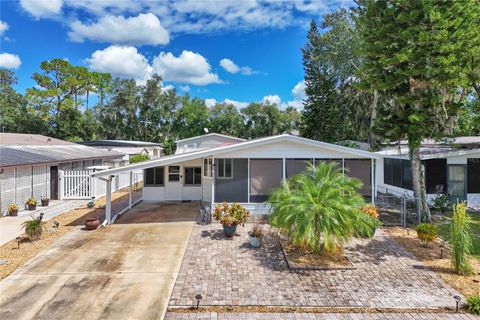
column 235, row 189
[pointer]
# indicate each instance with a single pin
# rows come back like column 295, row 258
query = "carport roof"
column 235, row 147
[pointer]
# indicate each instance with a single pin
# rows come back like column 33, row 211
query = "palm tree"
column 320, row 208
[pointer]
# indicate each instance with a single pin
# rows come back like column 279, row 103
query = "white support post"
column 284, row 169
column 248, row 180
column 374, row 181
column 213, row 182
column 130, row 191
column 108, row 201
column 60, row 184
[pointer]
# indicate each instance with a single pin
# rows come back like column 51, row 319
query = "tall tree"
column 225, row 119
column 261, row 120
column 192, row 117
column 419, row 54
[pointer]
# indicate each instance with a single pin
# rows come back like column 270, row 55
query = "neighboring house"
column 127, row 147
column 30, row 164
column 235, row 170
column 451, row 167
column 206, row 141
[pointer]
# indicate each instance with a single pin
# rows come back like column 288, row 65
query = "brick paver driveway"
column 229, row 272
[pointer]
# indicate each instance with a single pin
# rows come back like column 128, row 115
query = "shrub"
column 473, row 304
column 229, row 215
column 139, row 158
column 256, row 230
column 371, row 210
column 441, row 202
column 426, row 232
column 33, row 228
column 320, row 208
column 461, row 239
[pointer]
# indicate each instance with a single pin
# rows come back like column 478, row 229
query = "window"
column 473, row 172
column 398, row 173
column 436, row 175
column 154, row 176
column 224, row 168
column 193, row 176
column 207, row 167
column 173, row 173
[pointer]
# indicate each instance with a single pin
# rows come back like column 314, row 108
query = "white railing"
column 78, row 184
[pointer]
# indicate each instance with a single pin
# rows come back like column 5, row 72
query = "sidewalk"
column 11, row 227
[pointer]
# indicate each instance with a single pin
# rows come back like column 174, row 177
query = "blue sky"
column 235, row 51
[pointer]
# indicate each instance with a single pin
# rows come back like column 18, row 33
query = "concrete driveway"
column 124, row 271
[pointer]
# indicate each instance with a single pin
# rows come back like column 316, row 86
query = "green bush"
column 441, row 202
column 139, row 158
column 461, row 239
column 320, row 208
column 473, row 304
column 426, row 232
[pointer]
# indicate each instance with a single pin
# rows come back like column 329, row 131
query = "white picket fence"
column 78, row 184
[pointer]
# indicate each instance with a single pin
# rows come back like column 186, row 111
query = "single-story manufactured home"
column 219, row 168
column 30, row 165
column 451, row 167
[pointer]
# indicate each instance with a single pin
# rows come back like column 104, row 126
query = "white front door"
column 174, row 183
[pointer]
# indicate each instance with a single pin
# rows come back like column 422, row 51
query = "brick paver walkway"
column 229, row 272
column 318, row 316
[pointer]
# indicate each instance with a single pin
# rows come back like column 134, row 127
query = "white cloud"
column 232, row 67
column 144, row 29
column 167, row 88
column 210, row 102
column 42, row 8
column 3, row 27
column 10, row 61
column 272, row 99
column 189, row 67
column 185, row 88
column 121, row 61
column 238, row 104
column 298, row 93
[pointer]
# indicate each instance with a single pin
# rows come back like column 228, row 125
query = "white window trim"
column 185, row 184
column 224, row 166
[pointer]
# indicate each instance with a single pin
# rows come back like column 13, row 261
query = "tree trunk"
column 418, row 176
column 373, row 116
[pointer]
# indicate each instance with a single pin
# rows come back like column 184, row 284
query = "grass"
column 444, row 232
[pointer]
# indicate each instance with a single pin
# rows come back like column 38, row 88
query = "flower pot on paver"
column 31, row 204
column 45, row 202
column 255, row 236
column 32, row 207
column 12, row 209
column 92, row 223
column 229, row 231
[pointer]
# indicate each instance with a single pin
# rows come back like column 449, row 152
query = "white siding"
column 7, row 189
column 39, row 178
column 24, row 185
column 153, row 194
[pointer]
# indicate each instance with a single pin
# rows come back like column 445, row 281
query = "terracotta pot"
column 32, row 207
column 13, row 213
column 92, row 223
column 229, row 231
column 45, row 202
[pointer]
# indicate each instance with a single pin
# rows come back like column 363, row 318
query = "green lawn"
column 444, row 233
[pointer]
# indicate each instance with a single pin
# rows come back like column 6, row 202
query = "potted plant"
column 31, row 203
column 230, row 216
column 255, row 236
column 33, row 228
column 426, row 232
column 45, row 201
column 12, row 209
column 92, row 223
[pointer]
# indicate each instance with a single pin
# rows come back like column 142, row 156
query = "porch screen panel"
column 7, row 189
column 436, row 175
column 362, row 170
column 24, row 184
column 39, row 181
column 234, row 189
column 473, row 172
column 265, row 176
column 296, row 166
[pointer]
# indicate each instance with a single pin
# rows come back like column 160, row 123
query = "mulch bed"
column 15, row 257
column 298, row 259
column 431, row 256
